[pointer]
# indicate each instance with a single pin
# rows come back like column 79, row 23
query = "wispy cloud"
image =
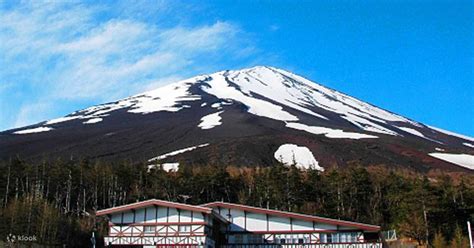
column 274, row 27
column 32, row 111
column 60, row 53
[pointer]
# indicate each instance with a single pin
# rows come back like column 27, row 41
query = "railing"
column 197, row 242
column 163, row 241
column 327, row 245
column 390, row 235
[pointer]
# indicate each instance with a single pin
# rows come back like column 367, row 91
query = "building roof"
column 207, row 209
column 154, row 202
column 305, row 217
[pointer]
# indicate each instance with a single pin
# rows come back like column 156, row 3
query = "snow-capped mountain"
column 249, row 117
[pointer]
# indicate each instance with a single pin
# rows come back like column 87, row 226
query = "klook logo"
column 12, row 238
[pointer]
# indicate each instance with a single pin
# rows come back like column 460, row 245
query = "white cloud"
column 160, row 82
column 206, row 38
column 31, row 112
column 71, row 53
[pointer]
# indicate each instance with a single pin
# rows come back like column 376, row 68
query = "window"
column 342, row 237
column 229, row 217
column 346, row 237
column 322, row 238
column 335, row 238
column 254, row 239
column 184, row 229
column 300, row 241
column 329, row 238
column 238, row 239
column 354, row 237
column 149, row 229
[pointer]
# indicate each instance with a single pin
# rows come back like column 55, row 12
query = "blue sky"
column 414, row 58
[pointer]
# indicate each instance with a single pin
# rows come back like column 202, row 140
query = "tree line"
column 56, row 201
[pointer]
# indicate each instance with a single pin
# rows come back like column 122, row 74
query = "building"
column 157, row 223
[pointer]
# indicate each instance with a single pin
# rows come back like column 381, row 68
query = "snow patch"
column 468, row 144
column 168, row 167
column 34, row 130
column 368, row 125
column 203, row 104
column 216, row 105
column 301, row 155
column 220, row 88
column 61, row 119
column 166, row 98
column 93, row 120
column 411, row 131
column 439, row 149
column 452, row 133
column 417, row 133
column 329, row 132
column 464, row 160
column 211, row 121
column 174, row 153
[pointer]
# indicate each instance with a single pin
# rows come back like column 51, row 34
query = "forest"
column 55, row 201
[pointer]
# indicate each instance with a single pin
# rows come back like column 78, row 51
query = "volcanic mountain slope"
column 256, row 116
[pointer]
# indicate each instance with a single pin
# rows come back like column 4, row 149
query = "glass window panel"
column 323, row 238
column 184, row 228
column 335, row 237
column 149, row 229
column 343, row 237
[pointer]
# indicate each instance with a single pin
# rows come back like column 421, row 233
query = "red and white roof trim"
column 154, row 202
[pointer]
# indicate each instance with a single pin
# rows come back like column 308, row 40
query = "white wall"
column 279, row 223
column 302, row 225
column 256, row 222
column 322, row 226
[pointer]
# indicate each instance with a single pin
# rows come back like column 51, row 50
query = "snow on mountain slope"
column 165, row 98
column 468, row 144
column 452, row 133
column 246, row 105
column 412, row 131
column 465, row 160
column 329, row 132
column 417, row 133
column 34, row 130
column 174, row 153
column 297, row 93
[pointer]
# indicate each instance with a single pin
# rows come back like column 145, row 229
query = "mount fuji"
column 251, row 117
